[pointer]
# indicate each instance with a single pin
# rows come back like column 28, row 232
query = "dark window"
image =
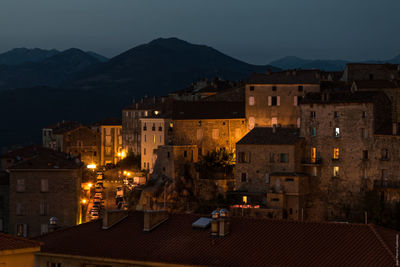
column 365, row 154
column 168, row 154
column 371, row 76
column 313, row 131
column 160, row 128
column 251, row 88
column 300, row 88
column 144, row 127
column 284, row 157
column 275, row 199
column 312, row 114
column 274, row 101
column 185, row 154
column 95, row 153
column 289, row 180
column 154, row 127
column 244, row 157
column 271, row 157
column 364, row 114
column 299, row 98
column 273, row 88
column 336, row 114
column 244, row 177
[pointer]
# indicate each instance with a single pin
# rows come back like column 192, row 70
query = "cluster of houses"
column 306, row 146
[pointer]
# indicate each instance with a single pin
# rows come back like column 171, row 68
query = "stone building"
column 83, row 143
column 273, row 98
column 339, row 131
column 131, row 115
column 110, row 145
column 53, row 135
column 208, row 125
column 4, row 199
column 155, row 132
column 269, row 171
column 367, row 71
column 16, row 252
column 47, row 185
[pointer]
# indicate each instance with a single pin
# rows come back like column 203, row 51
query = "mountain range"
column 292, row 62
column 75, row 85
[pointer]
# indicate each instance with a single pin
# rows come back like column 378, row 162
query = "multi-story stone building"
column 53, row 135
column 47, row 185
column 4, row 199
column 110, row 145
column 340, row 153
column 269, row 171
column 273, row 98
column 367, row 71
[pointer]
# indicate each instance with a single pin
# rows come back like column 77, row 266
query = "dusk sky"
column 255, row 31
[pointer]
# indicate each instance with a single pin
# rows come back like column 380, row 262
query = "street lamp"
column 91, row 166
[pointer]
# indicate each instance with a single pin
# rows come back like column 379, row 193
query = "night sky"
column 256, row 31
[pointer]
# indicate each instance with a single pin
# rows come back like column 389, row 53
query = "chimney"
column 220, row 223
column 153, row 218
column 53, row 224
column 394, row 129
column 112, row 217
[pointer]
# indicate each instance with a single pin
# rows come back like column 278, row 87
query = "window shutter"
column 44, row 183
column 269, row 101
column 25, row 230
column 278, row 100
column 295, row 100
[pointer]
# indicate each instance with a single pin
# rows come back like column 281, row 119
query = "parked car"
column 99, row 175
column 98, row 195
column 97, row 200
column 120, row 192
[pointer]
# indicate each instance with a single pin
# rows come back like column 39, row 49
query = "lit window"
column 154, row 138
column 251, row 101
column 313, row 155
column 336, row 171
column 144, row 151
column 337, row 132
column 244, row 199
column 336, row 153
column 274, row 121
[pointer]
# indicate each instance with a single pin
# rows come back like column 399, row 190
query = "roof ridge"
column 383, row 243
column 33, row 242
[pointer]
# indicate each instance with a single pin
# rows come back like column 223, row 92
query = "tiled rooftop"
column 9, row 242
column 267, row 136
column 251, row 242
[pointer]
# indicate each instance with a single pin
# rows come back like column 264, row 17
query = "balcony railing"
column 311, row 161
column 386, row 184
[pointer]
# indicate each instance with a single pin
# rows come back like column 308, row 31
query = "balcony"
column 386, row 184
column 311, row 161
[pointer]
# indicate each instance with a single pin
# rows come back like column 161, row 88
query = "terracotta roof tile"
column 8, row 242
column 208, row 110
column 267, row 136
column 251, row 242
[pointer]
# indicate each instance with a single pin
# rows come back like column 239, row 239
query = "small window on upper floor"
column 336, row 133
column 284, row 157
column 385, row 154
column 371, row 76
column 251, row 101
column 251, row 88
column 364, row 114
column 20, row 185
column 335, row 114
column 365, row 155
column 312, row 114
column 274, row 88
column 300, row 88
column 244, row 177
column 313, row 131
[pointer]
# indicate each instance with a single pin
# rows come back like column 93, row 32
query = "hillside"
column 18, row 56
column 162, row 66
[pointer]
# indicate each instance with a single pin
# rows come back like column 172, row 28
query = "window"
column 271, row 157
column 300, row 88
column 251, row 101
column 43, row 208
column 295, row 101
column 145, row 138
column 160, row 139
column 244, row 177
column 160, row 128
column 335, row 114
column 244, row 157
column 44, row 185
column 335, row 171
column 251, row 88
column 274, row 121
column 144, row 127
column 185, row 154
column 364, row 133
column 251, row 123
column 22, row 230
column 275, row 199
column 55, row 264
column 385, row 154
column 365, row 173
column 215, row 133
column 168, row 154
column 108, row 140
column 274, row 88
column 313, row 155
column 336, row 153
column 199, row 134
column 364, row 114
column 365, row 154
column 298, row 123
column 313, row 131
column 146, row 113
column 283, row 157
column 20, row 185
column 274, row 101
column 144, row 151
column 154, row 138
column 44, row 228
column 267, row 178
column 153, row 128
column 337, row 132
column 371, row 76
column 312, row 114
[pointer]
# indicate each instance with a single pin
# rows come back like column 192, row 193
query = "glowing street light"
column 91, row 166
column 84, row 201
column 89, row 185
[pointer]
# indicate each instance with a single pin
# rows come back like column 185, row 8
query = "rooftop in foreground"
column 251, row 242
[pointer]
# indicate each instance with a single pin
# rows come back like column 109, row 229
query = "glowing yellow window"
column 336, row 153
column 313, row 154
column 244, row 199
column 336, row 171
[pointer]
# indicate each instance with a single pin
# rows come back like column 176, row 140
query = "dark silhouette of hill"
column 18, row 56
column 52, row 71
column 97, row 56
column 162, row 66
